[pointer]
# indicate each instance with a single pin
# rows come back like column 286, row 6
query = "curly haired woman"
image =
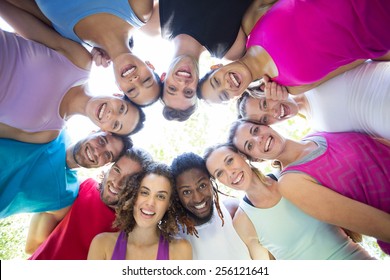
column 147, row 218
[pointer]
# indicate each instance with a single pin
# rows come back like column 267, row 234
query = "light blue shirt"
column 64, row 15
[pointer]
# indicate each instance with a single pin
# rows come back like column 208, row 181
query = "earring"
column 215, row 66
column 150, row 65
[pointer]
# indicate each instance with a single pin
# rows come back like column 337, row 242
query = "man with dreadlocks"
column 217, row 238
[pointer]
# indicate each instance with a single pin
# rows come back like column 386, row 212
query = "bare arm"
column 247, row 233
column 338, row 71
column 39, row 137
column 334, row 208
column 32, row 8
column 41, row 226
column 32, row 28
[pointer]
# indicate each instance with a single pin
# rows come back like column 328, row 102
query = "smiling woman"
column 65, row 95
column 162, row 138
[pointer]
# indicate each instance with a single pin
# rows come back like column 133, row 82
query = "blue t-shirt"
column 34, row 177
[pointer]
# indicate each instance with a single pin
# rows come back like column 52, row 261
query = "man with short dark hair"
column 42, row 177
column 66, row 234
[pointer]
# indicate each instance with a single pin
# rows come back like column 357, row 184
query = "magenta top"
column 309, row 39
column 34, row 79
column 121, row 246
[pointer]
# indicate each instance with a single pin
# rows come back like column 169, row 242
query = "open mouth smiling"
column 234, row 80
column 239, row 178
column 283, row 111
column 268, row 144
column 89, row 154
column 147, row 213
column 200, row 206
column 128, row 70
column 100, row 111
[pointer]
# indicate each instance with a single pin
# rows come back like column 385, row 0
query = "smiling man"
column 66, row 234
column 218, row 240
column 42, row 177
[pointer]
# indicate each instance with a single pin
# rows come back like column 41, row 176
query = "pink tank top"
column 354, row 165
column 121, row 245
column 309, row 39
column 34, row 79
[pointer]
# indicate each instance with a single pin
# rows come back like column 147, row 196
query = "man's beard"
column 200, row 221
column 111, row 204
column 76, row 149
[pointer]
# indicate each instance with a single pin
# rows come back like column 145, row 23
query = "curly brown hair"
column 174, row 218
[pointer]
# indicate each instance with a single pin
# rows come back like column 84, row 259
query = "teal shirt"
column 34, row 177
column 290, row 234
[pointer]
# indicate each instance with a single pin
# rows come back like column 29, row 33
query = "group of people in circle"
column 325, row 61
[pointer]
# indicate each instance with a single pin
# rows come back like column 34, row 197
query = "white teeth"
column 184, row 74
column 266, row 148
column 200, row 206
column 146, row 212
column 236, row 83
column 101, row 112
column 282, row 114
column 128, row 72
column 238, row 179
column 114, row 191
column 89, row 155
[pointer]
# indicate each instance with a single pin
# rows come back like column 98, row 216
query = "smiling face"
column 152, row 201
column 267, row 111
column 230, row 169
column 136, row 79
column 195, row 193
column 113, row 114
column 259, row 141
column 226, row 83
column 180, row 83
column 97, row 150
column 113, row 182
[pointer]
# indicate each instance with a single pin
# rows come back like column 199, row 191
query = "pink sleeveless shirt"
column 34, row 79
column 309, row 39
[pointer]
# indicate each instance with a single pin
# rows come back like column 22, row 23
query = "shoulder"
column 240, row 219
column 231, row 204
column 105, row 238
column 180, row 249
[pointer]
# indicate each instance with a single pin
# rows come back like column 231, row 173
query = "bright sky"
column 159, row 53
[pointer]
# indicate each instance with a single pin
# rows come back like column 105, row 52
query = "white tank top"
column 216, row 242
column 357, row 100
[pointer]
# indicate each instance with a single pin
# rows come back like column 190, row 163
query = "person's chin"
column 201, row 219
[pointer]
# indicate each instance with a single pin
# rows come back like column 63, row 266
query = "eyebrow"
column 182, row 187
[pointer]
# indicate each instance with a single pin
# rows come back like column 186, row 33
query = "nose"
column 259, row 138
column 134, row 78
column 197, row 197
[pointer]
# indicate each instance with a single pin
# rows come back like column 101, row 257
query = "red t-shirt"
column 87, row 217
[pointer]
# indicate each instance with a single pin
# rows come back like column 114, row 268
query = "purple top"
column 309, row 39
column 34, row 79
column 121, row 246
